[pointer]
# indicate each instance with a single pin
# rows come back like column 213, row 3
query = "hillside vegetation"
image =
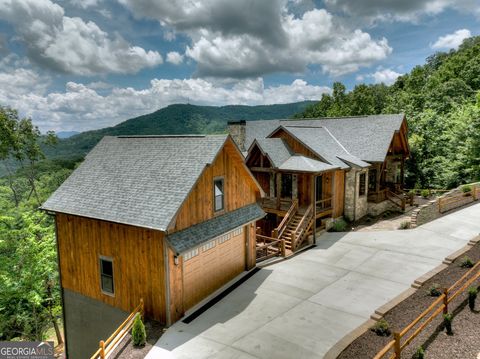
column 175, row 119
column 441, row 102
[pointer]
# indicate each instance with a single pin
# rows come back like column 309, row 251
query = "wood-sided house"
column 323, row 169
column 169, row 219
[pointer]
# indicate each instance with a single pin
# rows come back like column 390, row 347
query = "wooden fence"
column 401, row 340
column 450, row 202
column 108, row 346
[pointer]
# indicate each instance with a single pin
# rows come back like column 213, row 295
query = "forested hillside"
column 175, row 119
column 441, row 102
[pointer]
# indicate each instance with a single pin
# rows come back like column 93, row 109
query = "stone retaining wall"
column 431, row 210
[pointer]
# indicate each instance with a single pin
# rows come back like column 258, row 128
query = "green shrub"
column 381, row 328
column 466, row 188
column 466, row 262
column 420, row 353
column 339, row 225
column 139, row 335
column 472, row 296
column 405, row 225
column 447, row 322
column 435, row 291
column 412, row 192
column 425, row 193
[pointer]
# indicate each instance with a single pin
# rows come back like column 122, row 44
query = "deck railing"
column 399, row 200
column 268, row 247
column 108, row 346
column 324, row 205
column 440, row 305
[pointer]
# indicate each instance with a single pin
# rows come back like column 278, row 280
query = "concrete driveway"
column 299, row 308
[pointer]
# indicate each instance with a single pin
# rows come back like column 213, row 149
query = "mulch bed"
column 126, row 350
column 465, row 343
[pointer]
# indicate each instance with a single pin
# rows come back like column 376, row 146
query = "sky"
column 87, row 64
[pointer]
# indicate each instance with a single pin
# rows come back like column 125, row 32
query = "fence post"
column 142, row 308
column 398, row 349
column 440, row 204
column 102, row 349
column 445, row 301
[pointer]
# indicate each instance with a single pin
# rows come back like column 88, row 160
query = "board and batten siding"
column 239, row 189
column 138, row 262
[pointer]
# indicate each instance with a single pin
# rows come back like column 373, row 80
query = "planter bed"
column 463, row 344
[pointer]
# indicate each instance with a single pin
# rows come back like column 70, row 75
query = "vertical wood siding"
column 240, row 189
column 138, row 264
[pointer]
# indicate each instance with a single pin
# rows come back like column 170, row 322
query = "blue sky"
column 86, row 64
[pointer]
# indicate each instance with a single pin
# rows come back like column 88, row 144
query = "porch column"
column 314, row 201
column 279, row 188
column 294, row 186
column 333, row 194
column 402, row 173
column 272, row 184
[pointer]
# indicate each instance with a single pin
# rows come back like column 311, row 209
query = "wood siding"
column 296, row 146
column 138, row 264
column 240, row 189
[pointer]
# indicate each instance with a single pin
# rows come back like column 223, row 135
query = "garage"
column 210, row 266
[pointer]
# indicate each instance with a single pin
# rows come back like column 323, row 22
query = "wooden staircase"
column 288, row 233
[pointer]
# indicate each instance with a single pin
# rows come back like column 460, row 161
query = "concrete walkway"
column 299, row 308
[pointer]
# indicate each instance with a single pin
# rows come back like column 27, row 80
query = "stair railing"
column 400, row 201
column 299, row 232
column 278, row 232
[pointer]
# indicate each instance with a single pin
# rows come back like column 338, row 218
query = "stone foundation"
column 376, row 209
column 355, row 206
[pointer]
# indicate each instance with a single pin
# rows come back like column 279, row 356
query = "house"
column 314, row 171
column 166, row 219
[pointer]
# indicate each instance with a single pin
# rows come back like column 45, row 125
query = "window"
column 106, row 275
column 218, row 194
column 361, row 188
column 189, row 255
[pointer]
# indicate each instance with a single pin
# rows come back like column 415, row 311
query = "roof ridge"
column 163, row 136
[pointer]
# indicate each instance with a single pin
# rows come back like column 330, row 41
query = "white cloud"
column 82, row 107
column 452, row 41
column 404, row 11
column 386, row 76
column 69, row 44
column 232, row 38
column 174, row 58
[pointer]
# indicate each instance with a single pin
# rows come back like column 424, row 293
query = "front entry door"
column 286, row 190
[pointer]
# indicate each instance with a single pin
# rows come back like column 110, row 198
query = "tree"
column 20, row 144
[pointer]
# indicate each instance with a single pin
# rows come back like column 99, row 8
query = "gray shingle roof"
column 200, row 233
column 305, row 164
column 320, row 141
column 276, row 149
column 141, row 181
column 364, row 137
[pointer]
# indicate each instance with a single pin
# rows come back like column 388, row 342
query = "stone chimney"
column 237, row 131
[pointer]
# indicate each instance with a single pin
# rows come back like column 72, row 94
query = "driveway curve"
column 301, row 307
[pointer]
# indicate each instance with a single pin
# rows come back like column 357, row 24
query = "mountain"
column 175, row 119
column 67, row 134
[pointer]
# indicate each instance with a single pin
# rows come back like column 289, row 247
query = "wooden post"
column 275, row 233
column 440, row 204
column 279, row 188
column 398, row 349
column 445, row 301
column 102, row 349
column 282, row 248
column 142, row 308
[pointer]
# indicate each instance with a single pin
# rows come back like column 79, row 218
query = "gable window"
column 361, row 187
column 106, row 275
column 218, row 193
